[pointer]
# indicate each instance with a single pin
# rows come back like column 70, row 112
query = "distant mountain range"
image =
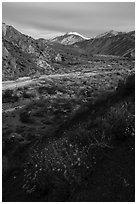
column 110, row 33
column 24, row 56
column 109, row 43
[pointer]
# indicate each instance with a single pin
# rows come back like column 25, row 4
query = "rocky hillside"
column 24, row 56
column 110, row 43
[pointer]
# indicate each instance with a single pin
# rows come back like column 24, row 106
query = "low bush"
column 25, row 117
column 60, row 161
column 127, row 86
column 118, row 124
column 29, row 94
column 9, row 96
column 48, row 90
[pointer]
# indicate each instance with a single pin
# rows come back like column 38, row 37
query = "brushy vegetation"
column 9, row 96
column 25, row 117
column 70, row 159
column 59, row 160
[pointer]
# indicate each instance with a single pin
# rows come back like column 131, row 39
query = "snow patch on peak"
column 75, row 33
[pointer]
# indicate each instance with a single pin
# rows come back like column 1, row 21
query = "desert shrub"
column 116, row 125
column 9, row 96
column 25, row 117
column 81, row 136
column 48, row 90
column 121, row 122
column 28, row 94
column 127, row 86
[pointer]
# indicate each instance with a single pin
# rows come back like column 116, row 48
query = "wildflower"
column 24, row 185
column 70, row 145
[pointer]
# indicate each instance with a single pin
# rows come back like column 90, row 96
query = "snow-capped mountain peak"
column 69, row 38
column 75, row 33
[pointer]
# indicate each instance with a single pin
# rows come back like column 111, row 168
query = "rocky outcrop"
column 58, row 58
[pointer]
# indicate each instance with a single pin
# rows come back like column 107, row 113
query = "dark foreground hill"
column 89, row 158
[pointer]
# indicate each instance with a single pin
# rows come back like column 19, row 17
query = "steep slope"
column 69, row 38
column 109, row 44
column 110, row 33
column 23, row 55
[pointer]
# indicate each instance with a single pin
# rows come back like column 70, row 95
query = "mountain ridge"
column 110, row 33
column 70, row 38
column 117, row 44
column 23, row 55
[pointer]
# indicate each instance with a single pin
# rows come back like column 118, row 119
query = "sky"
column 50, row 19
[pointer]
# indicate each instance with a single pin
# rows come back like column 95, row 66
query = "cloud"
column 88, row 18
